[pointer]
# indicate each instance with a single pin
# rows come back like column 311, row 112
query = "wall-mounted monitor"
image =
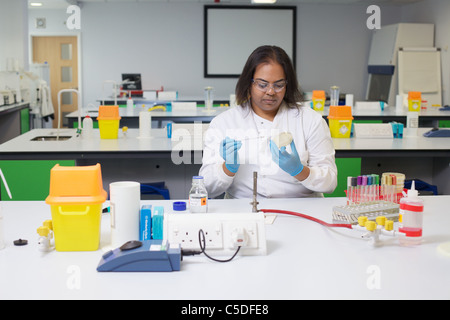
column 132, row 81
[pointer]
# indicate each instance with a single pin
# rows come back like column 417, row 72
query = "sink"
column 51, row 138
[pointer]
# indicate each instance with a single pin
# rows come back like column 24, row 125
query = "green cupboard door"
column 444, row 123
column 24, row 120
column 28, row 180
column 347, row 167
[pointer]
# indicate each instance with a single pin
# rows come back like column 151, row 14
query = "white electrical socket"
column 188, row 235
column 223, row 232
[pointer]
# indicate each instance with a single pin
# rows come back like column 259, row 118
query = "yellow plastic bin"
column 76, row 197
column 414, row 101
column 318, row 99
column 108, row 122
column 340, row 121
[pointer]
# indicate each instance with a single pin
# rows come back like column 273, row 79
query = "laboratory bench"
column 67, row 144
column 158, row 158
column 130, row 118
column 139, row 101
column 14, row 120
column 304, row 260
column 431, row 117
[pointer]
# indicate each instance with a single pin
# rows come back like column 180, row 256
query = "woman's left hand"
column 288, row 162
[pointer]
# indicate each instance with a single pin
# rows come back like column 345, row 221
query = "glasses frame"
column 270, row 85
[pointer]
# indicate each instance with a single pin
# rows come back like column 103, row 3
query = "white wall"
column 437, row 12
column 333, row 46
column 13, row 32
column 164, row 42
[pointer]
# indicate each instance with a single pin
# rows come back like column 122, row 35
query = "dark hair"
column 266, row 54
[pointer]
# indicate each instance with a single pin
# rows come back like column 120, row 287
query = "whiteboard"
column 231, row 33
column 419, row 69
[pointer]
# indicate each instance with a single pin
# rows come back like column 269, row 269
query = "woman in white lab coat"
column 254, row 136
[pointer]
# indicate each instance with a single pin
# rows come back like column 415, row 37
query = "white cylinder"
column 412, row 123
column 399, row 102
column 130, row 106
column 145, row 124
column 88, row 128
column 125, row 197
column 2, row 242
column 349, row 100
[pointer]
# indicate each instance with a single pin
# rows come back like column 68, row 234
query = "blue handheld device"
column 142, row 256
column 435, row 132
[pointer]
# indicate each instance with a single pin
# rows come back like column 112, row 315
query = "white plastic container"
column 209, row 98
column 411, row 218
column 198, row 196
column 412, row 123
column 125, row 211
column 130, row 106
column 145, row 124
column 88, row 127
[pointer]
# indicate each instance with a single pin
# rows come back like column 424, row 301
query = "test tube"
column 349, row 190
column 394, row 188
column 376, row 190
column 369, row 196
column 354, row 183
column 364, row 188
column 389, row 189
column 358, row 189
column 384, row 187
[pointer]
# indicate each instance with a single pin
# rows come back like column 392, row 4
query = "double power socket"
column 223, row 233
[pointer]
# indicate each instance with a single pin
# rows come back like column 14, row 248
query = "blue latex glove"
column 229, row 153
column 289, row 162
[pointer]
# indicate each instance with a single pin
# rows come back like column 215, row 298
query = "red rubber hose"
column 301, row 215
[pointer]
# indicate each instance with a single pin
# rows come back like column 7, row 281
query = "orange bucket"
column 340, row 121
column 108, row 122
column 76, row 197
column 414, row 101
column 318, row 99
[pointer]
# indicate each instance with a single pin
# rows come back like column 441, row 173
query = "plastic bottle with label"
column 130, row 106
column 411, row 218
column 198, row 196
column 88, row 127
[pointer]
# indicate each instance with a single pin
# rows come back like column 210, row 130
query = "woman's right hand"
column 229, row 152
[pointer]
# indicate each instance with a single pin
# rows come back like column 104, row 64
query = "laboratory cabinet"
column 14, row 121
column 161, row 159
column 28, row 180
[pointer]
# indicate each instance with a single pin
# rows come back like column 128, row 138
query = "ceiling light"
column 36, row 4
column 264, row 1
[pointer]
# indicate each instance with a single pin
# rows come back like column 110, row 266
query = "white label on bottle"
column 197, row 202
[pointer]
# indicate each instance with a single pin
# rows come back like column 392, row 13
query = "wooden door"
column 61, row 53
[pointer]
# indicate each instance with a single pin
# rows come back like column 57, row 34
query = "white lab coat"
column 312, row 140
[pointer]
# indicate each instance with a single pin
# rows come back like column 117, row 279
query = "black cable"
column 202, row 243
column 201, row 235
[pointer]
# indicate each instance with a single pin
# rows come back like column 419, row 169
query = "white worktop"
column 130, row 141
column 158, row 141
column 123, row 112
column 304, row 260
column 13, row 106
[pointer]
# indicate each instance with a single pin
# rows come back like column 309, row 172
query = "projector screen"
column 231, row 33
